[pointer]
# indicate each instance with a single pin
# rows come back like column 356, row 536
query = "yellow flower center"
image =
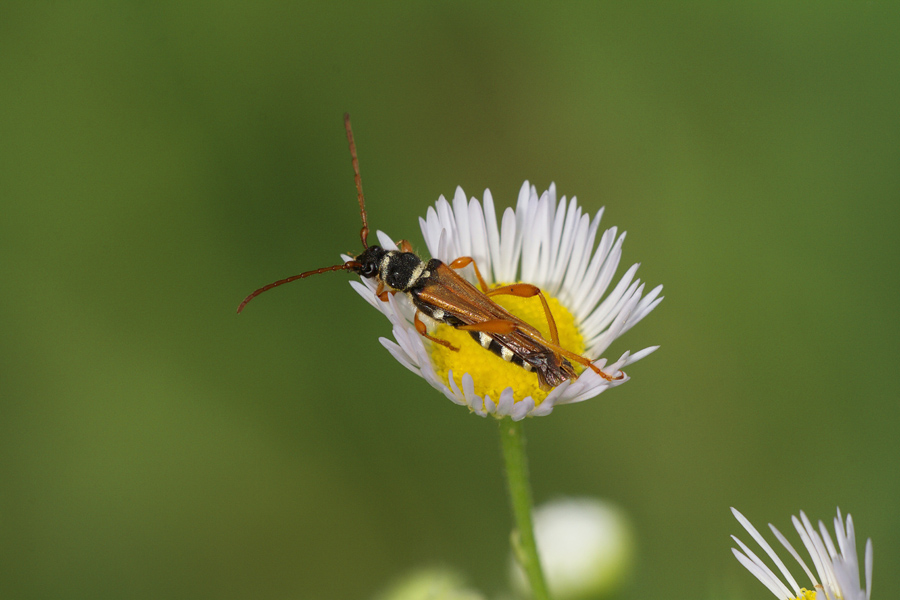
column 806, row 594
column 490, row 372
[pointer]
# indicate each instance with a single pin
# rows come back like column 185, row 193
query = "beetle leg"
column 423, row 331
column 405, row 246
column 382, row 293
column 498, row 326
column 526, row 290
column 464, row 261
column 582, row 360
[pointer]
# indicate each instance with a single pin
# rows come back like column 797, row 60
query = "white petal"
column 505, row 403
column 406, row 343
column 385, row 240
column 398, row 354
column 430, row 230
column 433, row 229
column 581, row 255
column 600, row 272
column 524, row 196
column 610, row 308
column 451, row 381
column 768, row 550
column 521, row 408
column 762, row 573
column 473, row 400
column 588, row 385
column 629, row 301
column 826, row 539
column 493, row 234
column 509, row 257
column 794, row 553
column 810, row 545
column 444, row 252
column 554, row 249
column 531, row 236
column 543, row 409
column 594, row 261
column 453, row 392
column 489, row 406
column 566, row 244
column 461, row 215
column 544, row 224
column 365, row 292
column 478, row 234
column 527, row 199
column 402, row 309
column 869, row 561
column 784, row 592
column 640, row 354
column 615, row 368
column 448, row 223
column 644, row 308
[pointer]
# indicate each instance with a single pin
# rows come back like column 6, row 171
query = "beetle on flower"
column 559, row 266
column 546, row 243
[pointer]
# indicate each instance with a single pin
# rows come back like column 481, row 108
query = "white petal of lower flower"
column 836, row 574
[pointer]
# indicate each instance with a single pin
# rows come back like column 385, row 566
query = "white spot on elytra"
column 506, row 354
column 485, row 340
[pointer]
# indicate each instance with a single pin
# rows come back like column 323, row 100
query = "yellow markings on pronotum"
column 490, row 372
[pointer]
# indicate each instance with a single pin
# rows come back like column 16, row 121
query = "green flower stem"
column 512, row 439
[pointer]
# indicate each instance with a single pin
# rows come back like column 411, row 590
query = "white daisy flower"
column 544, row 242
column 837, row 567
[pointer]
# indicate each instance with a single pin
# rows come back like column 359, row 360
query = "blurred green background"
column 159, row 161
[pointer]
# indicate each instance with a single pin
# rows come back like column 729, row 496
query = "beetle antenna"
column 364, row 232
column 347, row 265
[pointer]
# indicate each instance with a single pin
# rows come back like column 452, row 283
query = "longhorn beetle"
column 439, row 293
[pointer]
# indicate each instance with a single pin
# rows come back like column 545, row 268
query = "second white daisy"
column 836, row 567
